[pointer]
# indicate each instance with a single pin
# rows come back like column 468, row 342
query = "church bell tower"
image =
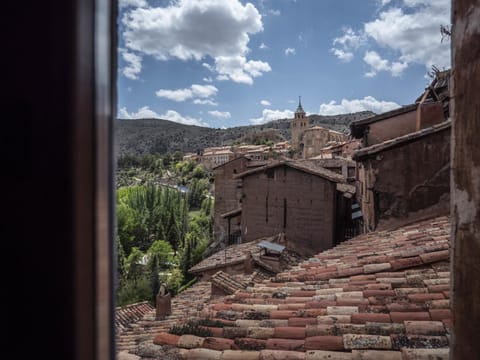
column 298, row 126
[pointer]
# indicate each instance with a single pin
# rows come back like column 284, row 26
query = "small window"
column 270, row 173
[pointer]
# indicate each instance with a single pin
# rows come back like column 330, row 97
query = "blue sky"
column 224, row 63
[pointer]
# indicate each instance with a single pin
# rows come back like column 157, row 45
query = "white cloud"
column 220, row 114
column 238, row 69
column 344, row 56
column 378, row 64
column 146, row 113
column 413, row 32
column 356, row 105
column 290, row 51
column 263, row 46
column 350, row 39
column 134, row 64
column 205, row 102
column 135, row 3
column 208, row 79
column 274, row 12
column 408, row 29
column 195, row 91
column 194, row 30
column 270, row 115
column 265, row 103
column 345, row 45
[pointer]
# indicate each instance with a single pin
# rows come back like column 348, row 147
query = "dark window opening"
column 270, row 173
column 284, row 213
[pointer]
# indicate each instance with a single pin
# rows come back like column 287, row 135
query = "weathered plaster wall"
column 466, row 179
column 408, row 182
column 227, row 195
column 310, row 209
column 429, row 114
column 392, row 127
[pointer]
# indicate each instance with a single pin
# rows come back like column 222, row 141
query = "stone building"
column 406, row 178
column 308, row 141
column 227, row 207
column 304, row 202
column 213, row 157
column 316, row 138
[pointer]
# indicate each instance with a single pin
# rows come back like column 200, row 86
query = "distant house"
column 213, row 157
column 304, row 202
column 406, row 178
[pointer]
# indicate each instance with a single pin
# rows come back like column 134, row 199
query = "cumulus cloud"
column 408, row 29
column 414, row 32
column 147, row 113
column 134, row 64
column 263, row 46
column 238, row 69
column 220, row 114
column 350, row 39
column 195, row 91
column 290, row 51
column 270, row 115
column 356, row 105
column 194, row 30
column 343, row 46
column 265, row 103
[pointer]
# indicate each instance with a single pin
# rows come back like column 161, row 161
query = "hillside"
column 143, row 136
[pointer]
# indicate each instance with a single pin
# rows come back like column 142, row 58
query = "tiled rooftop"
column 126, row 315
column 184, row 305
column 233, row 254
column 382, row 295
column 227, row 282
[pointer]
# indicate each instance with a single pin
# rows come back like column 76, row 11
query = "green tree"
column 161, row 252
column 133, row 265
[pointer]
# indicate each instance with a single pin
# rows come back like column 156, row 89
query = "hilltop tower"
column 299, row 125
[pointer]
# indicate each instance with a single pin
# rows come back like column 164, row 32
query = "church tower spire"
column 299, row 108
column 298, row 126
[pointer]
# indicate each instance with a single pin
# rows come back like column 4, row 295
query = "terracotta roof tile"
column 394, row 300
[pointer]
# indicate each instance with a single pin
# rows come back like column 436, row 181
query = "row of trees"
column 161, row 232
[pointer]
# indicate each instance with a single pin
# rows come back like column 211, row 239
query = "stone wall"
column 307, row 220
column 227, row 195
